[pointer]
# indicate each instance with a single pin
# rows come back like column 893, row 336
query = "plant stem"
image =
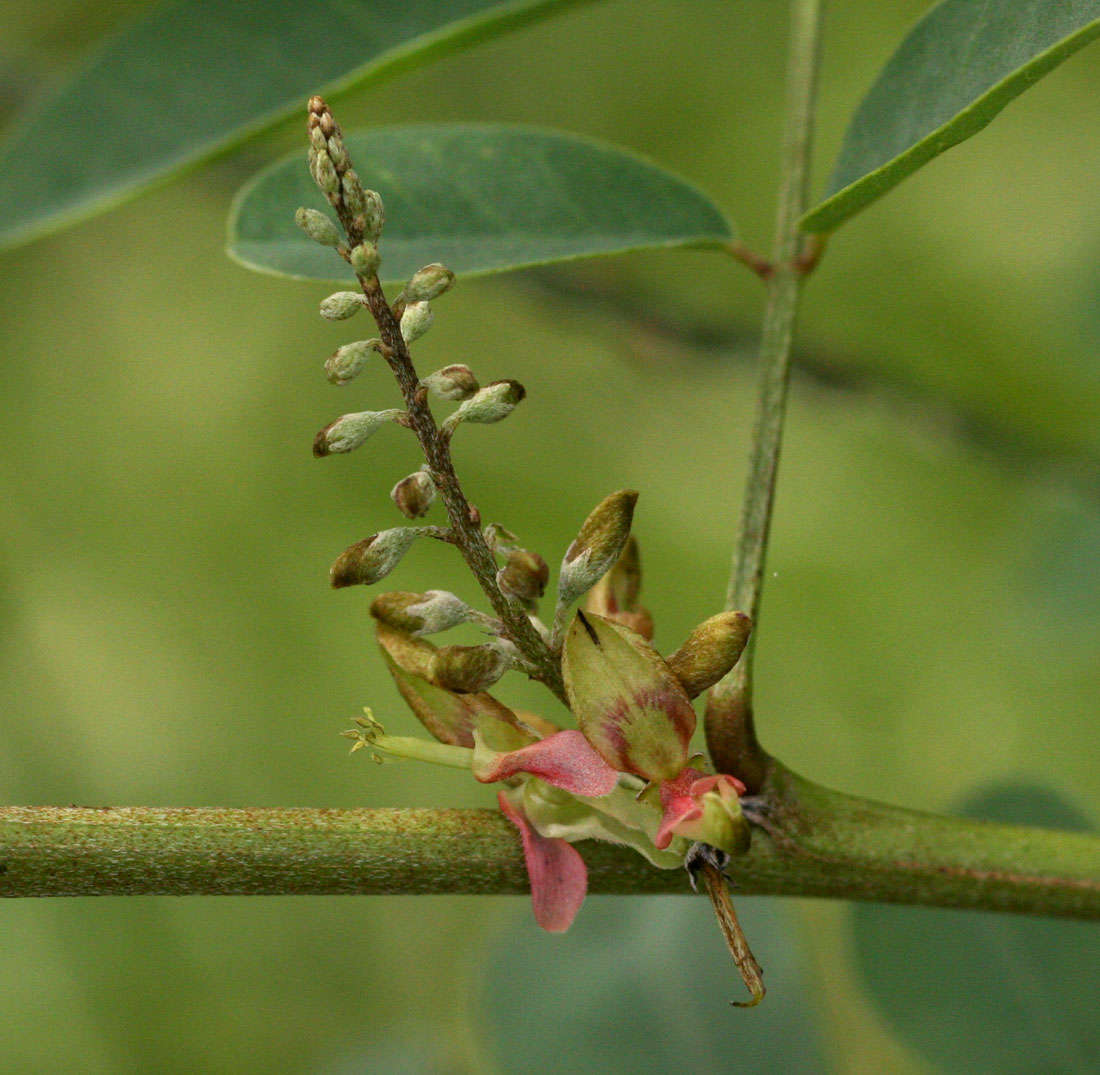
column 812, row 842
column 731, row 737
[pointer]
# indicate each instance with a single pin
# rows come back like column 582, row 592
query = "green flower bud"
column 324, row 173
column 341, row 305
column 627, row 702
column 467, row 669
column 416, row 320
column 450, row 717
column 345, row 364
column 374, row 215
column 452, row 382
column 420, row 613
column 710, row 651
column 490, row 404
column 365, row 259
column 318, row 227
column 371, row 559
column 349, row 431
column 429, row 283
column 524, row 576
column 414, row 495
column 598, row 545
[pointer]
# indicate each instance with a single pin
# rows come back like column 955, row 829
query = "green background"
column 167, row 636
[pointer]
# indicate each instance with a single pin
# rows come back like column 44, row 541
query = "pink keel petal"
column 565, row 759
column 559, row 877
column 680, row 800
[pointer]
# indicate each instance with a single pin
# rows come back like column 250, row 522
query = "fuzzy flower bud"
column 374, row 215
column 429, row 283
column 524, row 576
column 350, row 187
column 371, row 559
column 341, row 305
column 318, row 227
column 420, row 613
column 349, row 431
column 344, row 365
column 416, row 320
column 467, row 669
column 452, row 382
column 490, row 404
column 414, row 495
column 365, row 259
column 324, row 174
column 598, row 545
column 710, row 651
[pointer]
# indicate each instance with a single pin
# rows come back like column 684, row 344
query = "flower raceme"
column 623, row 776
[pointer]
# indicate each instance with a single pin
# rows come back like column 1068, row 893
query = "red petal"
column 559, row 877
column 680, row 800
column 565, row 759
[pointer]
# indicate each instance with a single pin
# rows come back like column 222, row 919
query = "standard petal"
column 565, row 759
column 558, row 875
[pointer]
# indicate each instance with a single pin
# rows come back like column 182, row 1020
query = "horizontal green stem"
column 813, row 842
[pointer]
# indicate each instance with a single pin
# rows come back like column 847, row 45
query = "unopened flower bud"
column 420, row 613
column 500, row 539
column 429, row 283
column 341, row 305
column 365, row 259
column 598, row 545
column 489, row 404
column 467, row 669
column 349, row 431
column 371, row 559
column 318, row 227
column 346, row 362
column 352, row 189
column 452, row 382
column 416, row 320
column 524, row 576
column 414, row 495
column 374, row 215
column 710, row 651
column 324, row 173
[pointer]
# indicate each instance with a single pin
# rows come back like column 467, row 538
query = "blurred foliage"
column 988, row 992
column 931, row 615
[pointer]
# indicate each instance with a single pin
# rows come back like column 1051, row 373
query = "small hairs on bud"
column 416, row 320
column 414, row 495
column 349, row 431
column 318, row 227
column 467, row 669
column 428, row 283
column 371, row 559
column 524, row 576
column 420, row 613
column 597, row 546
column 710, row 651
column 346, row 362
column 452, row 382
column 490, row 404
column 341, row 305
column 365, row 259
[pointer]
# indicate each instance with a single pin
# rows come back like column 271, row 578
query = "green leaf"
column 479, row 199
column 195, row 77
column 988, row 992
column 643, row 986
column 955, row 70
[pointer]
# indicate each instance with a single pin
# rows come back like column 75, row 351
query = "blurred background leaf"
column 168, row 633
column 195, row 77
column 643, row 985
column 982, row 992
column 480, row 199
column 957, row 68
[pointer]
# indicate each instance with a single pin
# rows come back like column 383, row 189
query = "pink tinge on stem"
column 566, row 760
column 682, row 802
column 558, row 875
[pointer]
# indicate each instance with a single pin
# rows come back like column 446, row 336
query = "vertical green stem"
column 729, row 725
